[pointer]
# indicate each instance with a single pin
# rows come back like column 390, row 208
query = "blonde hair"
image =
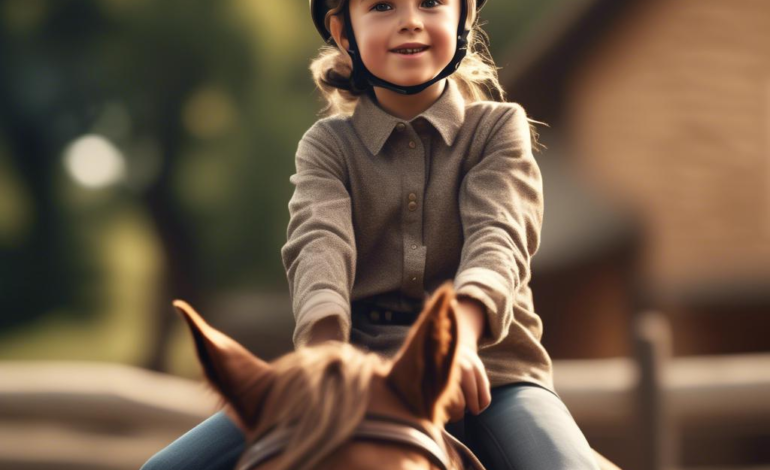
column 476, row 78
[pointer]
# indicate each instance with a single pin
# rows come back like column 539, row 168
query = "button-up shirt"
column 389, row 209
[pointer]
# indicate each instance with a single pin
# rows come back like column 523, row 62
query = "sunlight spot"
column 94, row 162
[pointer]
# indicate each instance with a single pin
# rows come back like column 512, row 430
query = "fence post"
column 658, row 437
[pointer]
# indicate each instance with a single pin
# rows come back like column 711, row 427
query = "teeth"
column 410, row 51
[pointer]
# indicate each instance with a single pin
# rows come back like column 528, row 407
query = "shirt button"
column 414, row 247
column 400, row 126
column 412, row 206
column 414, row 278
column 412, row 197
column 412, row 144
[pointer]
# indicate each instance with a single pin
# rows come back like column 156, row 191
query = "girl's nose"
column 411, row 18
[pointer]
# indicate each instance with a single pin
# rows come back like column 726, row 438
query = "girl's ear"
column 338, row 33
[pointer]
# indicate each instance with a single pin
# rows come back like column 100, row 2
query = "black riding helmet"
column 362, row 78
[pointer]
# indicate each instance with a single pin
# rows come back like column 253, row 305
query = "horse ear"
column 241, row 378
column 422, row 371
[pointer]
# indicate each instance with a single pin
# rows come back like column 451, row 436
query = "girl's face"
column 381, row 27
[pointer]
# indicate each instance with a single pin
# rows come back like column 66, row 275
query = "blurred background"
column 145, row 155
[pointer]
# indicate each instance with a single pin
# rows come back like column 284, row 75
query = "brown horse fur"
column 325, row 391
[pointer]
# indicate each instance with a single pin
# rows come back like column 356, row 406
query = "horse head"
column 336, row 406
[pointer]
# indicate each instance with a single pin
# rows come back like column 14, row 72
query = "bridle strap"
column 403, row 434
column 373, row 427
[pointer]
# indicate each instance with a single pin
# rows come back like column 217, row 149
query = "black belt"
column 384, row 316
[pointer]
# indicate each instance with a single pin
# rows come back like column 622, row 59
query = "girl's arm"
column 326, row 329
column 320, row 252
column 501, row 206
column 472, row 315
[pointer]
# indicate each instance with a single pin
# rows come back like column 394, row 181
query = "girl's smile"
column 411, row 53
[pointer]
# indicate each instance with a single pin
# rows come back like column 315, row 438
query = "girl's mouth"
column 411, row 53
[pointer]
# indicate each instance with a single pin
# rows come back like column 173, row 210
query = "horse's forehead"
column 381, row 399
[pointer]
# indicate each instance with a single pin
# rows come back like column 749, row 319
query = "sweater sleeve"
column 501, row 208
column 319, row 255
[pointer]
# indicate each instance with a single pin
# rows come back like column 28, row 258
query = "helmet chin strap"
column 362, row 79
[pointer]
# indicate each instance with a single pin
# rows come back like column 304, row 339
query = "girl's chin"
column 407, row 79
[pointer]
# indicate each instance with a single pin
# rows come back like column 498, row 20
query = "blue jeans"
column 526, row 427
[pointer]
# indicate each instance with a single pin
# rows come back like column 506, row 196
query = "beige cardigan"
column 388, row 209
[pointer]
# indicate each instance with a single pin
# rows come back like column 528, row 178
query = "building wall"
column 670, row 112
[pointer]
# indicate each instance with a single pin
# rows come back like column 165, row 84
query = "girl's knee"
column 529, row 427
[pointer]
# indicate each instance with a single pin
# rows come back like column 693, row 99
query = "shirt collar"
column 374, row 125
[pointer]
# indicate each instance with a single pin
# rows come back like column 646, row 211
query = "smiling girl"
column 417, row 175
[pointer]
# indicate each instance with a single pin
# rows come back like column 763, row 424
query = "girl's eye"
column 432, row 2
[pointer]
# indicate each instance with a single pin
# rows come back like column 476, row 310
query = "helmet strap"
column 361, row 79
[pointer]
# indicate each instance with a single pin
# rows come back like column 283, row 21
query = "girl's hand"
column 474, row 393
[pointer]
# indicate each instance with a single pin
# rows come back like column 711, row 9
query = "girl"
column 416, row 177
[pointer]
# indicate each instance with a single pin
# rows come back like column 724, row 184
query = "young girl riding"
column 416, row 176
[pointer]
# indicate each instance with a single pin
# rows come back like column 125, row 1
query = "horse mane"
column 324, row 393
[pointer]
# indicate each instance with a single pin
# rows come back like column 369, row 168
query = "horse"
column 333, row 405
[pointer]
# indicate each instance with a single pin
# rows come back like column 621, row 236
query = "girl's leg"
column 527, row 427
column 214, row 444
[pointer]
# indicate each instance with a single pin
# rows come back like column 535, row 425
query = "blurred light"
column 94, row 162
column 208, row 113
